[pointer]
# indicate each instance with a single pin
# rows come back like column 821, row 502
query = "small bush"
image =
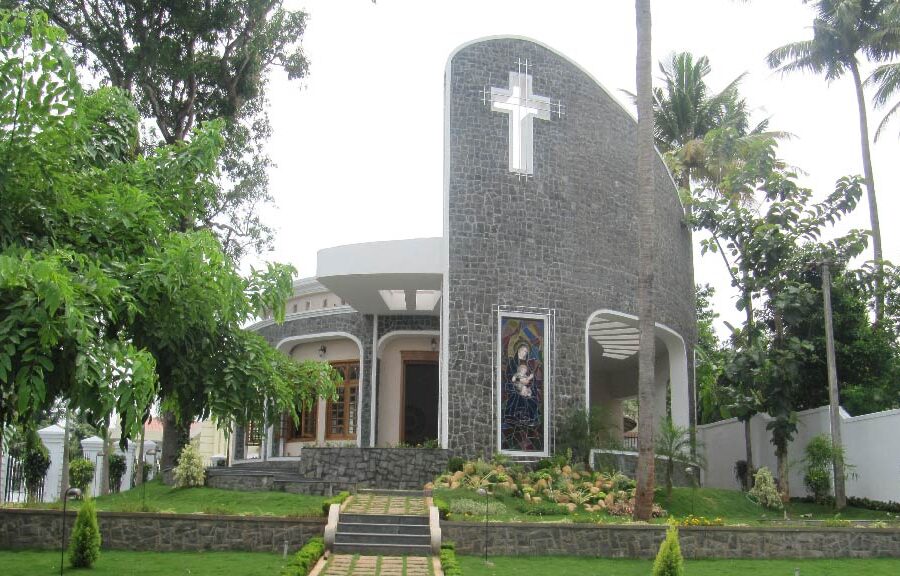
column 449, row 564
column 468, row 507
column 877, row 505
column 189, row 472
column 764, row 490
column 336, row 499
column 36, row 463
column 669, row 561
column 117, row 467
column 542, row 509
column 304, row 560
column 81, row 472
column 84, row 546
column 442, row 506
column 455, row 464
column 691, row 520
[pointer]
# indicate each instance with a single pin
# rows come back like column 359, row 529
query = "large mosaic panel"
column 522, row 399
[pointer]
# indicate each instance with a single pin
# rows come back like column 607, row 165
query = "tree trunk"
column 870, row 192
column 645, row 204
column 139, row 475
column 783, row 479
column 748, row 445
column 176, row 434
column 104, row 466
column 840, row 493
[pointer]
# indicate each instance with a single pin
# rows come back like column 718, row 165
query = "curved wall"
column 563, row 240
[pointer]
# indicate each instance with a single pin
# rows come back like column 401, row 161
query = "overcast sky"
column 358, row 144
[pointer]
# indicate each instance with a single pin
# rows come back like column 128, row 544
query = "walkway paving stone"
column 383, row 504
column 350, row 565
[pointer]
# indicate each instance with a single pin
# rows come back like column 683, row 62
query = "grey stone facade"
column 40, row 529
column 563, row 240
column 696, row 542
column 389, row 468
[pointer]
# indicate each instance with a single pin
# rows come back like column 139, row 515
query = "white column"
column 53, row 438
column 93, row 452
column 150, row 455
column 129, row 466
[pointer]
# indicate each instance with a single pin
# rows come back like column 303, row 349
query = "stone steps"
column 383, row 534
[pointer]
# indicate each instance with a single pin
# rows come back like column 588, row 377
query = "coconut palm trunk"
column 870, row 189
column 645, row 466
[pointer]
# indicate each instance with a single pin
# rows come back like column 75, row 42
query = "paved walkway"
column 353, row 565
column 384, row 504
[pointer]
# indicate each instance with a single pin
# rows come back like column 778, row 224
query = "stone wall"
column 162, row 532
column 393, row 468
column 643, row 541
column 560, row 242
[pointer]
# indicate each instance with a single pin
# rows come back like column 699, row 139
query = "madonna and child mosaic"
column 522, row 393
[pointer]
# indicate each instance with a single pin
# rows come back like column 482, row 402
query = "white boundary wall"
column 871, row 443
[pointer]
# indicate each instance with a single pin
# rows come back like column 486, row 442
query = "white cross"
column 523, row 106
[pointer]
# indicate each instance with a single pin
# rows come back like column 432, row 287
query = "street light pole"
column 62, row 545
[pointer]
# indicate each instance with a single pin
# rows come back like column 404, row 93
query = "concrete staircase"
column 383, row 523
column 383, row 535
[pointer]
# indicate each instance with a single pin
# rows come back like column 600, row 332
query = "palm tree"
column 842, row 31
column 685, row 112
column 677, row 445
column 647, row 248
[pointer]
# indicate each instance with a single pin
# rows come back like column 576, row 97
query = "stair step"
column 384, row 519
column 399, row 539
column 390, row 492
column 384, row 549
column 372, row 528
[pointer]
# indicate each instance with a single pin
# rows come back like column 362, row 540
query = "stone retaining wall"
column 394, row 468
column 696, row 542
column 162, row 532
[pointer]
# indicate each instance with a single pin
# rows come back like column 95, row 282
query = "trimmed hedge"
column 449, row 564
column 304, row 560
column 336, row 499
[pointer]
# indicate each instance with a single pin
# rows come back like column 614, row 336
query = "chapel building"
column 486, row 339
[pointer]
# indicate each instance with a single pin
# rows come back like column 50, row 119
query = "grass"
column 519, row 566
column 119, row 563
column 162, row 498
column 732, row 506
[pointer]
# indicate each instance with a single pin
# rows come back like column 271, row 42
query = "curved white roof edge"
column 631, row 114
column 412, row 256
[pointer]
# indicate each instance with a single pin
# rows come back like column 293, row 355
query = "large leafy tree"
column 189, row 61
column 844, row 32
column 647, row 248
column 761, row 244
column 106, row 303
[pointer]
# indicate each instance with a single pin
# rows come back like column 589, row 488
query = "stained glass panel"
column 521, row 386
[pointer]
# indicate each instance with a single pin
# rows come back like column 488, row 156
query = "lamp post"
column 71, row 492
column 483, row 492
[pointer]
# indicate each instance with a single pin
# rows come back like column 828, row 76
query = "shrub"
column 877, row 505
column 84, row 546
column 336, row 499
column 542, row 509
column 189, row 472
column 442, row 506
column 305, row 559
column 449, row 564
column 117, row 467
column 146, row 475
column 36, row 463
column 764, row 490
column 691, row 520
column 455, row 464
column 468, row 507
column 820, row 455
column 81, row 472
column 669, row 561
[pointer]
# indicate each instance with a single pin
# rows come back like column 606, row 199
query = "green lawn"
column 732, row 506
column 519, row 566
column 162, row 498
column 117, row 563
